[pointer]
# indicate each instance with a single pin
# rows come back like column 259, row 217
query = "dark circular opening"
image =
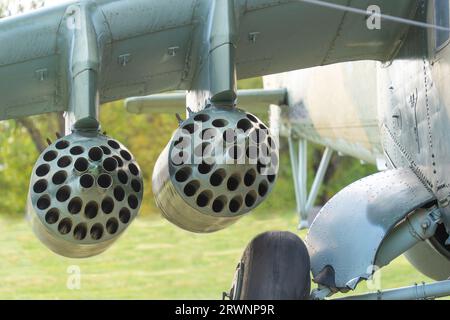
column 204, row 198
column 59, row 177
column 65, row 226
column 43, row 202
column 262, row 189
column 133, row 201
column 235, row 152
column 190, row 128
column 218, row 204
column 97, row 231
column 220, row 123
column 110, row 164
column 201, row 117
column 123, row 177
column 113, row 144
column 258, row 136
column 229, row 136
column 81, row 164
column 233, row 182
column 136, row 185
column 202, row 149
column 75, row 205
column 183, row 174
column 86, row 181
column 133, row 169
column 208, row 134
column 40, row 186
column 119, row 193
column 124, row 215
column 107, row 205
column 112, row 225
column 217, row 177
column 104, row 181
column 205, row 168
column 64, row 161
column 250, row 177
column 80, row 231
column 179, row 158
column 119, row 161
column 50, row 155
column 250, row 199
column 271, row 143
column 260, row 167
column 77, row 150
column 263, row 127
column 235, row 204
column 182, row 142
column 274, row 160
column 63, row 194
column 264, row 154
column 52, row 216
column 125, row 154
column 244, row 125
column 62, row 144
column 42, row 170
column 252, row 118
column 191, row 188
column 95, row 153
column 271, row 178
column 105, row 150
column 91, row 210
column 252, row 152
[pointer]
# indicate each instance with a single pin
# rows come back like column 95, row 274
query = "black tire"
column 275, row 266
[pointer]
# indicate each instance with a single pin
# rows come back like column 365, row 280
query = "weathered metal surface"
column 148, row 47
column 342, row 116
column 345, row 236
column 220, row 164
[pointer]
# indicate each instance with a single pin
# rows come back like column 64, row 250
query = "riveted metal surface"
column 85, row 190
column 347, row 232
column 220, row 164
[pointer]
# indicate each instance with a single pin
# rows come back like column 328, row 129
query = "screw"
column 252, row 36
column 172, row 51
column 124, row 59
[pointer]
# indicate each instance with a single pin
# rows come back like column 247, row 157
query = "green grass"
column 152, row 260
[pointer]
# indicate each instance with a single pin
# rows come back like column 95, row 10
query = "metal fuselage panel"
column 328, row 106
column 399, row 110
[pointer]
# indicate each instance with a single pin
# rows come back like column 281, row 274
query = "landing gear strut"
column 299, row 163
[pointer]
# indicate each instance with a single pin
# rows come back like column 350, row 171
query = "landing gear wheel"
column 274, row 266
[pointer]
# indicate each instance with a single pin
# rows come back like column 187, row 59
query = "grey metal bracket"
column 352, row 232
column 216, row 80
column 82, row 47
column 304, row 200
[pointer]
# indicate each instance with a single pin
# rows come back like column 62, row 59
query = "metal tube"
column 415, row 292
column 416, row 227
column 294, row 165
column 83, row 67
column 222, row 67
column 302, row 176
column 318, row 179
